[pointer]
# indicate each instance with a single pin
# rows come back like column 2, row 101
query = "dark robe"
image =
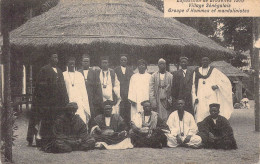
column 124, row 79
column 90, row 82
column 181, row 88
column 117, row 124
column 222, row 130
column 49, row 96
column 70, row 134
column 157, row 138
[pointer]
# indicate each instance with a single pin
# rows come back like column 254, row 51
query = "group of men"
column 118, row 109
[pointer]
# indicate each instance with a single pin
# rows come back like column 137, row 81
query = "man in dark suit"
column 90, row 79
column 50, row 96
column 124, row 74
column 182, row 85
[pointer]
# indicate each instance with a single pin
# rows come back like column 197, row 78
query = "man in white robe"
column 211, row 86
column 108, row 87
column 139, row 92
column 183, row 128
column 160, row 90
column 76, row 89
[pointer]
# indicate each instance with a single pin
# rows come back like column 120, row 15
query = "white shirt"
column 106, row 80
column 184, row 72
column 162, row 76
column 85, row 72
column 146, row 119
column 123, row 69
column 215, row 120
column 107, row 120
column 54, row 69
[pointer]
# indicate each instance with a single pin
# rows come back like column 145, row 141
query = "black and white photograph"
column 119, row 81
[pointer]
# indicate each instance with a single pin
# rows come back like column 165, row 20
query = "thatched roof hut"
column 110, row 27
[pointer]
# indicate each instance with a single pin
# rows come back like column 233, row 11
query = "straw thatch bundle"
column 110, row 27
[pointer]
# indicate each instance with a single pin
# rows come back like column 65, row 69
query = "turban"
column 142, row 61
column 184, row 58
column 146, row 101
column 161, row 61
column 72, row 106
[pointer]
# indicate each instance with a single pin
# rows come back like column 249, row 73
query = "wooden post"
column 256, row 24
column 8, row 111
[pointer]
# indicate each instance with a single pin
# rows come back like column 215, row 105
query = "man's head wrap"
column 146, row 101
column 161, row 60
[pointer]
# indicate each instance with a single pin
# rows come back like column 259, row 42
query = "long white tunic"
column 107, row 91
column 187, row 126
column 206, row 95
column 138, row 92
column 76, row 89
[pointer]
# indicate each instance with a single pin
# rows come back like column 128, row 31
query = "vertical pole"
column 8, row 112
column 256, row 24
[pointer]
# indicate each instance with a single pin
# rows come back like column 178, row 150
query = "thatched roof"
column 116, row 23
column 228, row 69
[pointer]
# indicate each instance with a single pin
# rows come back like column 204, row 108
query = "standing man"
column 107, row 87
column 160, row 90
column 211, row 86
column 182, row 84
column 124, row 74
column 49, row 96
column 139, row 92
column 90, row 79
column 76, row 90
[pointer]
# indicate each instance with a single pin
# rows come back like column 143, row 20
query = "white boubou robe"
column 206, row 95
column 107, row 91
column 76, row 89
column 138, row 92
column 187, row 126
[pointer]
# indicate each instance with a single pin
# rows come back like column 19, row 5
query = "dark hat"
column 214, row 105
column 142, row 103
column 72, row 106
column 184, row 58
column 141, row 61
column 104, row 58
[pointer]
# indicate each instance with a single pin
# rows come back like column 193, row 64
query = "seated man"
column 150, row 134
column 70, row 133
column 183, row 128
column 109, row 130
column 216, row 131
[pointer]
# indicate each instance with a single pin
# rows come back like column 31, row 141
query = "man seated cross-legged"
column 183, row 128
column 216, row 131
column 109, row 130
column 150, row 134
column 70, row 133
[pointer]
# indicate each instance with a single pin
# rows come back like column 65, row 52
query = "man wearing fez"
column 210, row 86
column 139, row 92
column 108, row 87
column 90, row 79
column 124, row 74
column 182, row 84
column 76, row 90
column 183, row 128
column 160, row 90
column 109, row 130
column 216, row 131
column 70, row 133
column 150, row 134
column 49, row 96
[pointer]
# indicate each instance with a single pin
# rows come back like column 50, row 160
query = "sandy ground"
column 242, row 121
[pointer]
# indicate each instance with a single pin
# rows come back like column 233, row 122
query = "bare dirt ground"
column 242, row 121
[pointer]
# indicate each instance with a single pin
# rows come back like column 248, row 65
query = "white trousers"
column 195, row 141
